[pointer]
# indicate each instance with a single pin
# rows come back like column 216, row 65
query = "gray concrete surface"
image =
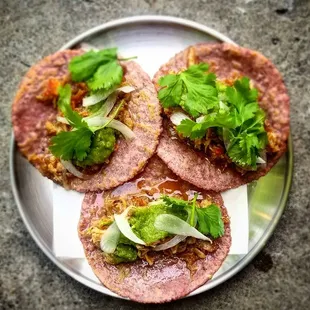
column 279, row 278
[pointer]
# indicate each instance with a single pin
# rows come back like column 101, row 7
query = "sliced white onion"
column 262, row 159
column 200, row 119
column 126, row 89
column 88, row 47
column 171, row 243
column 98, row 121
column 123, row 129
column 177, row 117
column 174, row 225
column 124, row 227
column 99, row 96
column 259, row 160
column 71, row 168
column 110, row 238
column 63, row 120
column 108, row 105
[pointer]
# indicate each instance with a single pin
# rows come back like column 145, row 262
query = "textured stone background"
column 279, row 277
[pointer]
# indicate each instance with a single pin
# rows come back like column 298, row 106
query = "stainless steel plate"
column 154, row 39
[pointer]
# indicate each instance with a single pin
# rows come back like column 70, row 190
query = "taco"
column 87, row 121
column 156, row 238
column 226, row 115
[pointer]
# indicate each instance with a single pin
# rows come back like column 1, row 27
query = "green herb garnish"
column 209, row 218
column 233, row 110
column 73, row 144
column 83, row 67
column 100, row 70
column 193, row 89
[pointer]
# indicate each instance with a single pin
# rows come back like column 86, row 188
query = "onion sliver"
column 122, row 128
column 259, row 160
column 174, row 225
column 63, row 120
column 101, row 95
column 124, row 227
column 200, row 119
column 110, row 238
column 108, row 105
column 177, row 117
column 97, row 97
column 98, row 121
column 71, row 168
column 126, row 89
column 262, row 158
column 171, row 243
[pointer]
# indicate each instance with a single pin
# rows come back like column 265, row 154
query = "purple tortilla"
column 169, row 278
column 228, row 61
column 29, row 116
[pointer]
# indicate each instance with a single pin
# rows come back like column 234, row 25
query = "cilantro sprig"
column 102, row 73
column 209, row 218
column 232, row 110
column 64, row 105
column 99, row 69
column 72, row 144
column 193, row 89
column 75, row 144
column 84, row 66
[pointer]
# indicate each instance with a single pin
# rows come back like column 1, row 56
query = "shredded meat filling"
column 190, row 250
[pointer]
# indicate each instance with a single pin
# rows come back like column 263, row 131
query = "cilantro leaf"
column 194, row 130
column 64, row 104
column 186, row 128
column 193, row 89
column 171, row 95
column 188, row 206
column 84, row 66
column 235, row 113
column 74, row 144
column 210, row 221
column 243, row 98
column 199, row 99
column 107, row 76
column 175, row 202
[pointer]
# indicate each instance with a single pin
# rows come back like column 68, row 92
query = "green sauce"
column 101, row 148
column 123, row 253
column 142, row 221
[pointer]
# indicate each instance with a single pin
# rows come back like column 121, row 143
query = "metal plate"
column 154, row 39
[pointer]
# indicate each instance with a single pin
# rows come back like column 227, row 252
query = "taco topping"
column 155, row 226
column 220, row 117
column 88, row 109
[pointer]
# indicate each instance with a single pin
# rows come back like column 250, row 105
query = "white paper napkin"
column 66, row 213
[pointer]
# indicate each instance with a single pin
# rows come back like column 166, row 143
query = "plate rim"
column 244, row 261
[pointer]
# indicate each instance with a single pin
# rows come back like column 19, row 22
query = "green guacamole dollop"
column 124, row 253
column 102, row 146
column 142, row 221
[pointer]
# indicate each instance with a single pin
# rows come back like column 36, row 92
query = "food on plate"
column 226, row 115
column 155, row 238
column 87, row 120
